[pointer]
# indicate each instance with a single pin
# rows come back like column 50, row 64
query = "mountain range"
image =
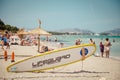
column 113, row 32
column 82, row 31
column 75, row 30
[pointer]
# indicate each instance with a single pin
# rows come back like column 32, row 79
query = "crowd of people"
column 29, row 41
column 5, row 41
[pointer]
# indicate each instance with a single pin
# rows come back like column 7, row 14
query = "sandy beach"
column 93, row 68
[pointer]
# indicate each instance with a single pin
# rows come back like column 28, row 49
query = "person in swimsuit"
column 107, row 46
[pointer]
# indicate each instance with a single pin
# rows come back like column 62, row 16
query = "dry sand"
column 94, row 68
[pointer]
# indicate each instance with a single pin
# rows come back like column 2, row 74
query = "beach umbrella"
column 24, row 33
column 39, row 31
column 21, row 33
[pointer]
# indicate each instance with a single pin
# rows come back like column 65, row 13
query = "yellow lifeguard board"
column 53, row 59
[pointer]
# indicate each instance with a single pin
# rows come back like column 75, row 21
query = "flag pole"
column 39, row 23
column 39, row 36
column 83, row 56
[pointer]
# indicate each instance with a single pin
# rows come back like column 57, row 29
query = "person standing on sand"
column 107, row 47
column 101, row 49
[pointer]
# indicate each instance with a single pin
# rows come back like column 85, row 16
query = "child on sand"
column 101, row 49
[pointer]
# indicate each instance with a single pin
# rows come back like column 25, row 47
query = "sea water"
column 69, row 40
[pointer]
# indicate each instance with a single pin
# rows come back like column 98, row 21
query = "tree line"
column 7, row 27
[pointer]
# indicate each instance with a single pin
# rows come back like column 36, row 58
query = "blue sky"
column 94, row 15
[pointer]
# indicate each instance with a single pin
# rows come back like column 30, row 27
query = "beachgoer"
column 78, row 42
column 61, row 44
column 91, row 41
column 56, row 39
column 47, row 38
column 107, row 47
column 45, row 49
column 6, row 39
column 113, row 40
column 42, row 49
column 101, row 49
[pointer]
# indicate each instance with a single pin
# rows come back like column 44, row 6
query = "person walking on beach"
column 101, row 49
column 7, row 40
column 107, row 47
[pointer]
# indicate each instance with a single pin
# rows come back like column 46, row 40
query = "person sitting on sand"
column 45, row 49
column 42, row 49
